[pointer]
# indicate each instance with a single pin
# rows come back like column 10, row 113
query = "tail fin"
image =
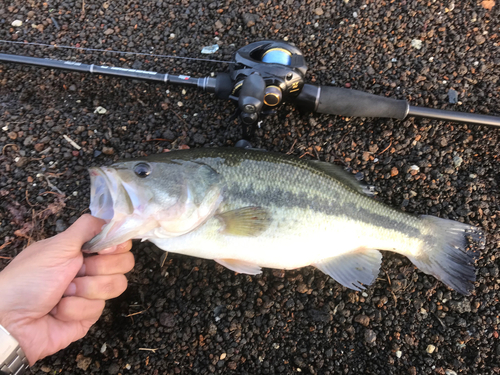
column 447, row 254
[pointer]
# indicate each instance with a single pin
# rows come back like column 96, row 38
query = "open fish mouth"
column 102, row 193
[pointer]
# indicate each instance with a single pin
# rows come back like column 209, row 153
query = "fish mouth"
column 102, row 193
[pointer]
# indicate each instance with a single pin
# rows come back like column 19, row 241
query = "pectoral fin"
column 240, row 266
column 247, row 221
column 353, row 270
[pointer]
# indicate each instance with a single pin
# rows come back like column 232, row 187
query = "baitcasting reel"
column 262, row 75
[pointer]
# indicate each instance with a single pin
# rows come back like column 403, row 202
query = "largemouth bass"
column 248, row 209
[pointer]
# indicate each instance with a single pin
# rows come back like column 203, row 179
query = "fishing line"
column 54, row 46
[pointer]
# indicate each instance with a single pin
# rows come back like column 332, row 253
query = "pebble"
column 480, row 39
column 100, row 110
column 449, row 372
column 416, row 43
column 167, row 320
column 60, row 226
column 457, row 161
column 399, row 354
column 107, row 150
column 370, row 336
column 362, row 319
column 113, row 369
column 319, row 11
column 430, row 349
column 452, row 96
column 17, row 23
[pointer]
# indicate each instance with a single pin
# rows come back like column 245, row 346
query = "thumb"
column 82, row 230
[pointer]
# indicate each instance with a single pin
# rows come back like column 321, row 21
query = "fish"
column 250, row 209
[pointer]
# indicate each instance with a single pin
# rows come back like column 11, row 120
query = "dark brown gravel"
column 200, row 317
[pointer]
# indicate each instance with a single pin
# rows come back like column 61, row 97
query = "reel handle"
column 251, row 101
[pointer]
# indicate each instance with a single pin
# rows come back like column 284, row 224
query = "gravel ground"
column 197, row 316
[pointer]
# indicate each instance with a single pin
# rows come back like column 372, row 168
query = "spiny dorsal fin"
column 342, row 175
column 246, row 221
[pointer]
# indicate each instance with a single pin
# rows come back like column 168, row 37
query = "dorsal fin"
column 342, row 175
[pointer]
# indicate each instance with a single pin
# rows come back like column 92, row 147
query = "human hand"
column 50, row 295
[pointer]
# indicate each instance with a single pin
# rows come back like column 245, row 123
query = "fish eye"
column 142, row 170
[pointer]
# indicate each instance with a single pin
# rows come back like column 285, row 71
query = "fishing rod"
column 265, row 74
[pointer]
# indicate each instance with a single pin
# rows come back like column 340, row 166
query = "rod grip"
column 353, row 103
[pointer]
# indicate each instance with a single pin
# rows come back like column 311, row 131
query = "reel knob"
column 272, row 96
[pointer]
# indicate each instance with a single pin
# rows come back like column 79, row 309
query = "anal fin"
column 240, row 266
column 353, row 270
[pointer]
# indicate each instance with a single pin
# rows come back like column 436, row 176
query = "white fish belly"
column 295, row 238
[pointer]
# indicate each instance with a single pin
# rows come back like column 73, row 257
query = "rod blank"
column 440, row 114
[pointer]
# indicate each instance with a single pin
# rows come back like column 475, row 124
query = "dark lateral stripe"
column 285, row 199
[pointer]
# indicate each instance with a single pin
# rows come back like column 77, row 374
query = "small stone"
column 97, row 153
column 319, row 11
column 302, row 288
column 199, row 138
column 412, row 370
column 232, row 365
column 222, row 356
column 430, row 349
column 457, row 161
column 31, row 14
column 180, row 104
column 370, row 336
column 100, row 110
column 28, row 140
column 171, row 36
column 480, row 39
column 12, row 135
column 17, row 23
column 370, row 70
column 347, row 85
column 108, row 150
column 416, row 43
column 61, row 227
column 39, row 147
column 355, row 14
column 22, row 161
column 83, row 362
column 45, row 368
column 109, row 31
column 394, row 171
column 103, row 348
column 72, row 88
column 362, row 319
column 449, row 372
column 218, row 25
column 167, row 320
column 75, row 153
column 399, row 353
column 452, row 96
column 113, row 369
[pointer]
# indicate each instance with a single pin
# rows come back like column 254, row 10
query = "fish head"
column 144, row 199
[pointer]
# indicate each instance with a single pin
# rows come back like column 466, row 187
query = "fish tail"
column 446, row 252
